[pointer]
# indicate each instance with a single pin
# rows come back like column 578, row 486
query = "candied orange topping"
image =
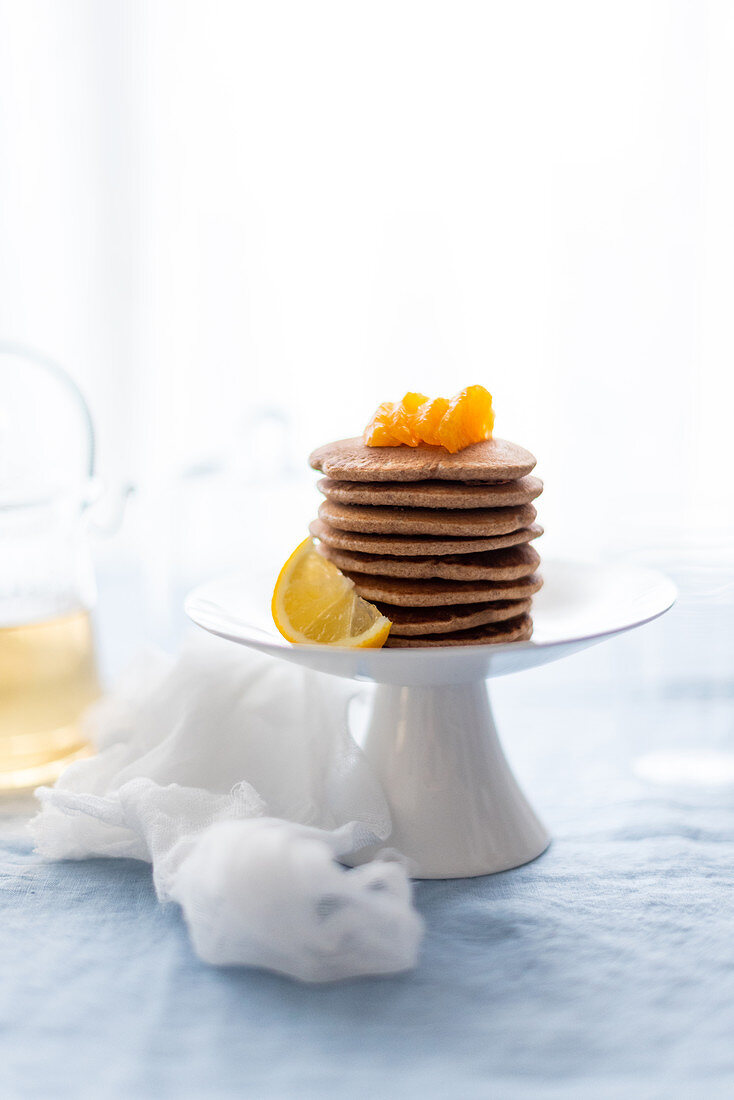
column 453, row 424
column 377, row 433
column 402, row 419
column 428, row 420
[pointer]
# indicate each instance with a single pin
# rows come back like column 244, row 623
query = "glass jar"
column 48, row 671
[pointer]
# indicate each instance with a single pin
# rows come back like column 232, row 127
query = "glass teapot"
column 48, row 672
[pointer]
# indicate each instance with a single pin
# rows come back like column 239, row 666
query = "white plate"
column 580, row 604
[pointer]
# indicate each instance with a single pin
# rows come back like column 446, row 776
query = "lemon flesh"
column 314, row 602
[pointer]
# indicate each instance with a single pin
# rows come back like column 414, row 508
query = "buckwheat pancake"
column 516, row 630
column 432, row 494
column 426, row 521
column 408, row 546
column 499, row 565
column 410, row 621
column 491, row 460
column 418, row 593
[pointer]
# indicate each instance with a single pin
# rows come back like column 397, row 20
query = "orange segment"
column 402, row 420
column 455, row 424
column 378, row 432
column 468, row 419
column 428, row 419
column 313, row 602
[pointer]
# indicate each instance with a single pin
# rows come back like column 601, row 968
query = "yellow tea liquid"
column 48, row 676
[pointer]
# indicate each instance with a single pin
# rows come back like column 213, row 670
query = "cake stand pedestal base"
column 456, row 807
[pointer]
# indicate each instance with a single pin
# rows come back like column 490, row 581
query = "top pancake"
column 433, row 494
column 491, row 460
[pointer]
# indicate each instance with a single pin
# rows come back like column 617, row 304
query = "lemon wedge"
column 314, row 602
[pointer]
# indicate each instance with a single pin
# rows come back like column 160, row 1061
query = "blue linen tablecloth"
column 604, row 969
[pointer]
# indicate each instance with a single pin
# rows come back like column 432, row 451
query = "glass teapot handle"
column 103, row 518
column 67, row 382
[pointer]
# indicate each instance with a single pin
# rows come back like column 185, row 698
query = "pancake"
column 432, row 494
column 419, row 593
column 491, row 460
column 411, row 547
column 501, row 565
column 516, row 630
column 425, row 521
column 411, row 621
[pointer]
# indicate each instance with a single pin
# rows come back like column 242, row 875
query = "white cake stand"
column 456, row 807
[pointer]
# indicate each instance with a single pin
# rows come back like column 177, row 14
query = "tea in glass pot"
column 48, row 671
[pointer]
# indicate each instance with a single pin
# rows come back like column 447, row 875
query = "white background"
column 214, row 211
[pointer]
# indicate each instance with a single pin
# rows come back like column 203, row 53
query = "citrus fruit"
column 378, row 432
column 468, row 419
column 314, row 602
column 452, row 424
column 428, row 419
column 402, row 419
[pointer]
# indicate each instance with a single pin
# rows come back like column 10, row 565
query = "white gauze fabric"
column 236, row 777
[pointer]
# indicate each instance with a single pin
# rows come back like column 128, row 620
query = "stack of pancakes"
column 440, row 542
